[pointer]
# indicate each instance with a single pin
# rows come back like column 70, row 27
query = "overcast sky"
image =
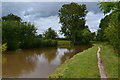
column 45, row 14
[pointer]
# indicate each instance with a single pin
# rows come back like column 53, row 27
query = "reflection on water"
column 36, row 63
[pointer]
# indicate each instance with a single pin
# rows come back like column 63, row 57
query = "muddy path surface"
column 101, row 66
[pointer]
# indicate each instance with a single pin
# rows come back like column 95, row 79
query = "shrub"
column 4, row 47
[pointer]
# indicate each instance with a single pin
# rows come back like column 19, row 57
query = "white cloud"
column 47, row 22
column 93, row 20
column 44, row 15
column 43, row 23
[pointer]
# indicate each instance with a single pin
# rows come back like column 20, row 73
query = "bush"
column 13, row 45
column 4, row 47
column 38, row 42
column 48, row 43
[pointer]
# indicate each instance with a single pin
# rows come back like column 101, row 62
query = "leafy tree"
column 17, row 34
column 11, row 17
column 72, row 18
column 10, row 34
column 112, row 30
column 87, row 36
column 103, row 25
column 100, row 35
column 93, row 36
column 110, row 6
column 50, row 34
column 27, row 34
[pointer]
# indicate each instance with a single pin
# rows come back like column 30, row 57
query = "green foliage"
column 86, row 36
column 22, row 34
column 49, row 43
column 104, row 22
column 103, row 25
column 109, row 26
column 113, row 31
column 9, row 34
column 108, row 6
column 39, row 42
column 11, row 17
column 17, row 33
column 3, row 47
column 72, row 18
column 93, row 38
column 64, row 42
column 110, row 60
column 50, row 34
column 101, row 35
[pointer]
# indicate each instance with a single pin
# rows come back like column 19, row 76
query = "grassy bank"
column 110, row 60
column 63, row 42
column 82, row 65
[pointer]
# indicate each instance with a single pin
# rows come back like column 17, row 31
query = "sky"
column 45, row 14
column 57, row 0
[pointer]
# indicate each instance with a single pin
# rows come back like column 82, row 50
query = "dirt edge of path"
column 101, row 66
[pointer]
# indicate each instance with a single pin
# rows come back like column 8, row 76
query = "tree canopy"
column 72, row 18
column 18, row 34
column 50, row 34
column 110, row 25
column 11, row 17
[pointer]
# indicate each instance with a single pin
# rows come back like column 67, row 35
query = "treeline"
column 18, row 34
column 109, row 29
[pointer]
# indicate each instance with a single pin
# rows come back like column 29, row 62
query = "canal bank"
column 84, row 64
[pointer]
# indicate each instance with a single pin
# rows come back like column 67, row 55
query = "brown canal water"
column 36, row 63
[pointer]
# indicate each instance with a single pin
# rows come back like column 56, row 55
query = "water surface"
column 36, row 63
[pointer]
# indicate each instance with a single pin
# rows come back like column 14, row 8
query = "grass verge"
column 110, row 60
column 82, row 65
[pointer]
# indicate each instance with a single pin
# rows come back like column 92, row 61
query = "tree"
column 100, row 35
column 87, row 36
column 72, row 18
column 11, row 17
column 93, row 34
column 50, row 34
column 110, row 6
column 10, row 35
column 103, row 25
column 112, row 30
column 17, row 34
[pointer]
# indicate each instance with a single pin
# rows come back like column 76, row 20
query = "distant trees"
column 86, row 36
column 72, row 18
column 103, row 25
column 18, row 34
column 93, row 36
column 110, row 25
column 15, row 33
column 50, row 34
